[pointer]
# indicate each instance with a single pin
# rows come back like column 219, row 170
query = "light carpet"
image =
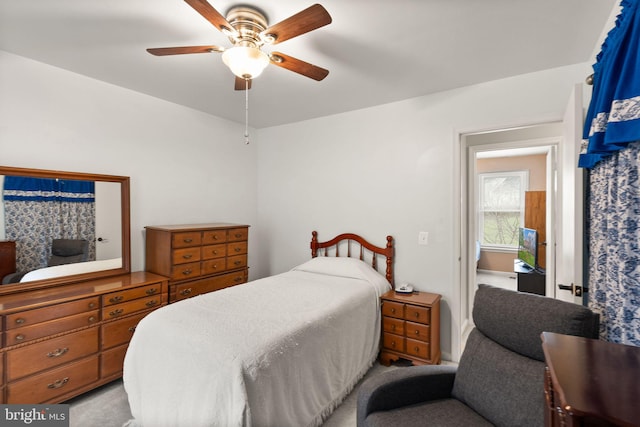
column 107, row 406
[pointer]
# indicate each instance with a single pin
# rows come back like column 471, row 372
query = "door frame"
column 467, row 153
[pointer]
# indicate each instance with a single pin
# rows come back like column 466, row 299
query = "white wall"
column 185, row 166
column 393, row 169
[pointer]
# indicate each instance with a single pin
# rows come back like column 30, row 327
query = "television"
column 528, row 247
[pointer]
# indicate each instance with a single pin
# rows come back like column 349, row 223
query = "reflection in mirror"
column 66, row 226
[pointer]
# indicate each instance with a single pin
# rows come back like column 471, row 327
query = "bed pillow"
column 346, row 267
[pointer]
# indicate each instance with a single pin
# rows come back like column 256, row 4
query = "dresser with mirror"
column 65, row 326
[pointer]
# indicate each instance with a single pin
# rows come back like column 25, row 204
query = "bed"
column 279, row 351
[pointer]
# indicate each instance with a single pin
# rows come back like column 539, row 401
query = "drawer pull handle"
column 393, row 344
column 215, row 252
column 92, row 319
column 215, row 237
column 188, row 240
column 117, row 312
column 59, row 383
column 57, row 352
column 151, row 303
column 132, row 329
column 187, row 256
column 238, row 249
column 151, row 291
column 393, row 310
column 238, row 279
column 417, row 315
column 185, row 292
column 417, row 350
column 187, row 272
column 238, row 262
column 393, row 327
column 92, row 304
column 417, row 332
column 238, row 235
column 19, row 337
column 115, row 299
column 20, row 320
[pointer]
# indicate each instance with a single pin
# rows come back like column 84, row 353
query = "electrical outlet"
column 423, row 238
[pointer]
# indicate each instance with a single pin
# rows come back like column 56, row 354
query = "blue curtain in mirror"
column 38, row 210
column 611, row 152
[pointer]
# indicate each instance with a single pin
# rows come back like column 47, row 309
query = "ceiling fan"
column 247, row 28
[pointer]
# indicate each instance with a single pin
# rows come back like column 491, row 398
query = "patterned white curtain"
column 38, row 210
column 611, row 151
column 614, row 245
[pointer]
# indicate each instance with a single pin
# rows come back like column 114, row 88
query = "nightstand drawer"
column 417, row 331
column 417, row 348
column 393, row 309
column 418, row 314
column 393, row 325
column 393, row 342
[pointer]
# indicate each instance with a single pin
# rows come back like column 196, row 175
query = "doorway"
column 529, row 152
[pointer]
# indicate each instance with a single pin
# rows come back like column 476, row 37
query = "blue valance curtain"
column 613, row 117
column 38, row 210
column 611, row 152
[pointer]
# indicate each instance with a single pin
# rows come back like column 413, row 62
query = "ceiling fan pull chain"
column 246, row 111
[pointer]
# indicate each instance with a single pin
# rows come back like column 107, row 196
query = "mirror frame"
column 125, row 223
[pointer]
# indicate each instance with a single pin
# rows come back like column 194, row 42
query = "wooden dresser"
column 198, row 258
column 410, row 328
column 590, row 382
column 60, row 342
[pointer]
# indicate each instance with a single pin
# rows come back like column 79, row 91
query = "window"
column 501, row 208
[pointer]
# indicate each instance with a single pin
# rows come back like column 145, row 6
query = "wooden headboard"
column 387, row 251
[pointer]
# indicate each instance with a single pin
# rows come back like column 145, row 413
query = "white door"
column 570, row 218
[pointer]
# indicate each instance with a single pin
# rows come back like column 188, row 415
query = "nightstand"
column 410, row 328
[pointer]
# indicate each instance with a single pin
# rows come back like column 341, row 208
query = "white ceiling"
column 377, row 51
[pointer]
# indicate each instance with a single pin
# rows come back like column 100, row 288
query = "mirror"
column 109, row 248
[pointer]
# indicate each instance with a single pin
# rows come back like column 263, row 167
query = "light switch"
column 423, row 238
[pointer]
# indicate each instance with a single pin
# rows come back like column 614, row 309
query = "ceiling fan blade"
column 241, row 84
column 298, row 66
column 309, row 19
column 211, row 15
column 162, row 51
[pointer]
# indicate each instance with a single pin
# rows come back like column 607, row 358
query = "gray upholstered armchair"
column 68, row 251
column 499, row 380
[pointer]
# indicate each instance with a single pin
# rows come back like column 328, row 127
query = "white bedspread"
column 280, row 351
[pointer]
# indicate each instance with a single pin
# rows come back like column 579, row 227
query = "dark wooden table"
column 591, row 382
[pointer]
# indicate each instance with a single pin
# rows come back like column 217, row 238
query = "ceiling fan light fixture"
column 245, row 62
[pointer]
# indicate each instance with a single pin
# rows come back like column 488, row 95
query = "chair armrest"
column 12, row 278
column 404, row 386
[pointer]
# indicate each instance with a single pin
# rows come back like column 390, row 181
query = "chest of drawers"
column 61, row 342
column 198, row 258
column 410, row 328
